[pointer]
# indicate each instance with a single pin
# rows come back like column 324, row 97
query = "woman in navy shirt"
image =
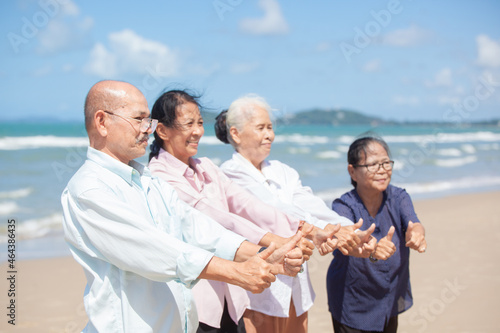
column 367, row 294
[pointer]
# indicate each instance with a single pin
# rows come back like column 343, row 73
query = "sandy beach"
column 454, row 283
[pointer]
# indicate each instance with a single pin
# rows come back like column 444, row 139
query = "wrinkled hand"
column 347, row 238
column 306, row 245
column 385, row 247
column 415, row 237
column 256, row 274
column 367, row 242
column 286, row 260
column 324, row 240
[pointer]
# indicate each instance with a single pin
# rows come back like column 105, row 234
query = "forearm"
column 419, row 228
column 219, row 269
column 270, row 237
column 246, row 251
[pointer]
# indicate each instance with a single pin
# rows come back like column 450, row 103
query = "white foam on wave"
column 331, row 154
column 301, row 139
column 460, row 183
column 440, row 137
column 16, row 194
column 35, row 228
column 468, row 148
column 422, row 188
column 449, row 152
column 455, row 162
column 210, row 140
column 41, row 141
column 8, row 208
column 299, row 150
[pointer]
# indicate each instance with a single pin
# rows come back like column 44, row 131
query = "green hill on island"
column 331, row 117
column 338, row 117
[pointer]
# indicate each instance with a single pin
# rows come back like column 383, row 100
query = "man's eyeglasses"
column 146, row 124
column 374, row 167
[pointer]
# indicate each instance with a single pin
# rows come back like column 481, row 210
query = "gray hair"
column 242, row 110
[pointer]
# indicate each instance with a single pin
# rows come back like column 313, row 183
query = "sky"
column 394, row 59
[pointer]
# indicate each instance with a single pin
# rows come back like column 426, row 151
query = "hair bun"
column 220, row 127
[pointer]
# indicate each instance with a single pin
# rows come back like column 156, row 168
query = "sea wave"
column 423, row 188
column 455, row 162
column 299, row 150
column 454, row 184
column 35, row 228
column 438, row 137
column 331, row 154
column 449, row 152
column 16, row 194
column 8, row 208
column 301, row 139
column 41, row 141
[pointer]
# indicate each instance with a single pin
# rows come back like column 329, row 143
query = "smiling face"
column 182, row 140
column 254, row 140
column 121, row 126
column 368, row 182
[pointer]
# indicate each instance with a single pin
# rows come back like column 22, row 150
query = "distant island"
column 338, row 117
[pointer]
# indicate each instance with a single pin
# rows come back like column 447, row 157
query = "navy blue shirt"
column 364, row 294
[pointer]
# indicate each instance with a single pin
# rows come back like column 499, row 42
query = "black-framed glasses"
column 374, row 167
column 146, row 123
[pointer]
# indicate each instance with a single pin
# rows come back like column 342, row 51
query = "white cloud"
column 129, row 53
column 406, row 100
column 372, row 66
column 406, row 37
column 272, row 23
column 488, row 51
column 65, row 30
column 443, row 78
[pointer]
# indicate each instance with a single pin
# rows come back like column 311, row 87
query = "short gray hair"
column 242, row 110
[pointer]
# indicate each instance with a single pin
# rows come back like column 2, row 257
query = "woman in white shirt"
column 247, row 127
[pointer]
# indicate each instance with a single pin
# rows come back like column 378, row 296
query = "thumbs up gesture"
column 415, row 237
column 385, row 247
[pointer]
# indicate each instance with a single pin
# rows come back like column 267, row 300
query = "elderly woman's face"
column 372, row 181
column 255, row 139
column 182, row 140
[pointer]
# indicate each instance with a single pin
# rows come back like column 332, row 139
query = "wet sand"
column 454, row 283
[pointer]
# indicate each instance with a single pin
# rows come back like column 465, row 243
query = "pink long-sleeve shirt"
column 202, row 185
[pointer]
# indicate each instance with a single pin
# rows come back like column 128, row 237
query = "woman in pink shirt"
column 202, row 185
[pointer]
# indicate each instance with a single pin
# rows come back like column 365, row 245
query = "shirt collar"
column 131, row 172
column 263, row 177
column 182, row 168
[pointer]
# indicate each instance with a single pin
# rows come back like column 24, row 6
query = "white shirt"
column 132, row 235
column 279, row 185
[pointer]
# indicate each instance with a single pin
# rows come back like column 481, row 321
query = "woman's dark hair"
column 165, row 110
column 358, row 150
column 220, row 127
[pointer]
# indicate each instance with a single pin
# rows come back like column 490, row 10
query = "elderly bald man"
column 142, row 248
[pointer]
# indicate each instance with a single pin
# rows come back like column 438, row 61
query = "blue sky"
column 401, row 60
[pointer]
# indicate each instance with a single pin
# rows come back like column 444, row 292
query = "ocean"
column 38, row 159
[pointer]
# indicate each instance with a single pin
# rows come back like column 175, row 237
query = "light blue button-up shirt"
column 140, row 246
